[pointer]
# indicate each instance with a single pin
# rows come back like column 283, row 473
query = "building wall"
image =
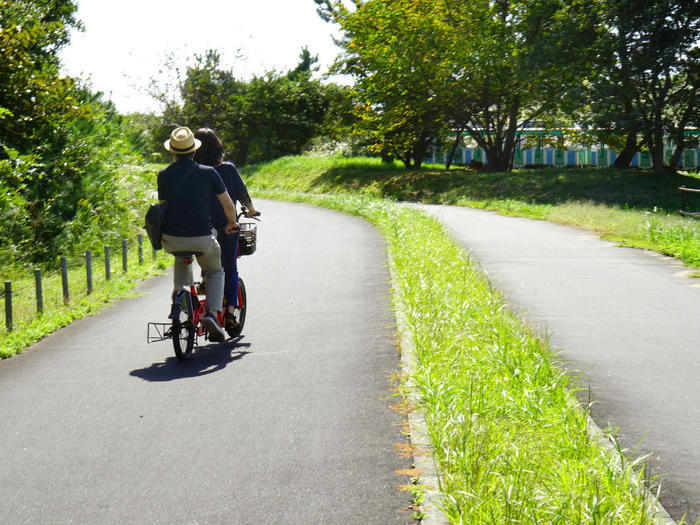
column 690, row 158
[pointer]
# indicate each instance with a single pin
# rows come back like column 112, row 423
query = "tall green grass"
column 30, row 326
column 511, row 444
column 92, row 227
column 632, row 207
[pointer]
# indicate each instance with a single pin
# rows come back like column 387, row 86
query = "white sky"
column 125, row 43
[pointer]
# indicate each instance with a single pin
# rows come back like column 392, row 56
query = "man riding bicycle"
column 188, row 188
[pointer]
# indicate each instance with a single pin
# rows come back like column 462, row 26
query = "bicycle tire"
column 183, row 339
column 240, row 311
column 184, row 331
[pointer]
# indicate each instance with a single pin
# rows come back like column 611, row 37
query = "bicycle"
column 187, row 310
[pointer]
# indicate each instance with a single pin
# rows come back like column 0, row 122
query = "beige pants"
column 209, row 260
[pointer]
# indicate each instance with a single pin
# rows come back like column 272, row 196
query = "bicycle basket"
column 248, row 238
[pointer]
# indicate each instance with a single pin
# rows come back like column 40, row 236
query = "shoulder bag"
column 155, row 217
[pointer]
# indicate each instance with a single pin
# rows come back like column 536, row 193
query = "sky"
column 126, row 43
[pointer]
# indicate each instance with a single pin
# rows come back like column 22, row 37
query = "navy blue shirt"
column 188, row 212
column 236, row 189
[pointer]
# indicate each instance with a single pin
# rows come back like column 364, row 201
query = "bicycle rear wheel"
column 239, row 312
column 184, row 331
column 183, row 339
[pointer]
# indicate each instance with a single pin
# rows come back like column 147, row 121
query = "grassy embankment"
column 634, row 208
column 29, row 327
column 510, row 441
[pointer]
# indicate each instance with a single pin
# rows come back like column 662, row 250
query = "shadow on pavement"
column 205, row 360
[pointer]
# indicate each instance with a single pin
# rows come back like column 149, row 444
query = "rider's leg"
column 229, row 254
column 182, row 273
column 210, row 261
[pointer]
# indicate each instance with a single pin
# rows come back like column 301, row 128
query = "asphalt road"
column 626, row 320
column 291, row 424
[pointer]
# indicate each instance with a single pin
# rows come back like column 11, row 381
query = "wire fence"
column 28, row 298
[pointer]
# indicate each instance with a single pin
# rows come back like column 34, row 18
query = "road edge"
column 428, row 479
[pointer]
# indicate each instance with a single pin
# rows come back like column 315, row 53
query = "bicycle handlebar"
column 243, row 212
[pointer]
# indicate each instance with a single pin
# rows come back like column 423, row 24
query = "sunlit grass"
column 632, row 207
column 511, row 442
column 29, row 326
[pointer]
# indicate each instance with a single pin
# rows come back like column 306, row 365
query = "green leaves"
column 425, row 67
column 59, row 142
column 266, row 117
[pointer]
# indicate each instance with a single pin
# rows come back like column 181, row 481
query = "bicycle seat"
column 187, row 253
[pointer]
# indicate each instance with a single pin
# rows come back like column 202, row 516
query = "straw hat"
column 182, row 141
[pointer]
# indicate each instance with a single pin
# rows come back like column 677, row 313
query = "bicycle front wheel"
column 235, row 329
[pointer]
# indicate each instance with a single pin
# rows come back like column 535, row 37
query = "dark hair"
column 211, row 152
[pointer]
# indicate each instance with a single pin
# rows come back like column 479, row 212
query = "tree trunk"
column 420, row 148
column 451, row 156
column 623, row 160
column 498, row 160
column 656, row 148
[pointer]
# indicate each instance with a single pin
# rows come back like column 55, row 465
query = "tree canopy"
column 56, row 137
column 624, row 69
column 263, row 118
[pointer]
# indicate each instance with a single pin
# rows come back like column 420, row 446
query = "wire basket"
column 248, row 238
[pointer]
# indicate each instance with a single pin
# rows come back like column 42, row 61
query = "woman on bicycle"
column 211, row 153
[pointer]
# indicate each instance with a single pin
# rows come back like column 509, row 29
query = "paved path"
column 290, row 425
column 627, row 319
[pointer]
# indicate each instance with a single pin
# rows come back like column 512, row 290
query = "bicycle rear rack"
column 162, row 331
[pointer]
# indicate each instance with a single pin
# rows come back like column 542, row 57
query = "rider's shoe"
column 213, row 328
column 230, row 324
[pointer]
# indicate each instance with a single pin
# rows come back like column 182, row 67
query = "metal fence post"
column 88, row 270
column 108, row 272
column 124, row 261
column 140, row 240
column 8, row 305
column 39, row 291
column 64, row 279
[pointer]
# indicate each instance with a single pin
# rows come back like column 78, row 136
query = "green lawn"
column 632, row 207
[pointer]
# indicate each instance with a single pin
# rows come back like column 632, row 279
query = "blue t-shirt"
column 188, row 212
column 235, row 187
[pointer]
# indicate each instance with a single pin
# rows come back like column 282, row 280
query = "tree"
column 484, row 67
column 395, row 50
column 57, row 139
column 264, row 118
column 305, row 66
column 645, row 86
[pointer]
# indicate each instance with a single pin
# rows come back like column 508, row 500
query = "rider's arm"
column 248, row 203
column 229, row 210
column 238, row 190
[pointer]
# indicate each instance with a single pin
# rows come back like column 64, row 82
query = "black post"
column 88, row 270
column 108, row 273
column 64, row 278
column 124, row 262
column 39, row 291
column 8, row 305
column 140, row 239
